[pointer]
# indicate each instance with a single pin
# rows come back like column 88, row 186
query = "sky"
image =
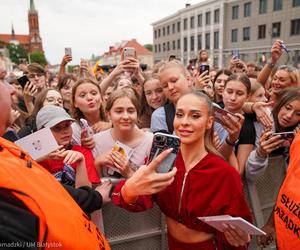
column 87, row 26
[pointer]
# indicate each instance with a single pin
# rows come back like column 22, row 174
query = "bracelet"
column 229, row 142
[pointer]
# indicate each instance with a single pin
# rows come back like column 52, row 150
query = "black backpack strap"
column 170, row 114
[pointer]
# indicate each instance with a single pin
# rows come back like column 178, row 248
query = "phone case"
column 219, row 113
column 203, row 67
column 285, row 135
column 160, row 143
column 86, row 128
column 68, row 51
column 23, row 80
column 129, row 52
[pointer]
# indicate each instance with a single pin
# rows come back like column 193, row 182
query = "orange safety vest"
column 62, row 223
column 287, row 209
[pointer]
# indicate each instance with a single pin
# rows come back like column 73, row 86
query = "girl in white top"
column 122, row 109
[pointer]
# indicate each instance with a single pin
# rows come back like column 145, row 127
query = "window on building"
column 164, row 47
column 155, row 48
column 199, row 38
column 296, row 3
column 261, row 31
column 216, row 39
column 192, row 20
column 263, row 6
column 173, row 28
column 199, row 21
column 235, row 12
column 159, row 48
column 158, row 32
column 192, row 43
column 207, row 18
column 185, row 44
column 155, row 34
column 277, row 5
column 168, row 30
column 234, row 35
column 185, row 23
column 178, row 44
column 168, row 46
column 247, row 9
column 295, row 27
column 246, row 34
column 173, row 45
column 217, row 16
column 164, row 31
column 276, row 29
column 178, row 26
column 207, row 41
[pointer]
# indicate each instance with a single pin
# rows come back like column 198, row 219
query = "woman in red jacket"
column 204, row 185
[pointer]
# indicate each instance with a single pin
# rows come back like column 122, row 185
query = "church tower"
column 35, row 40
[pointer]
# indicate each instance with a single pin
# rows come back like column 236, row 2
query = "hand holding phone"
column 161, row 142
column 219, row 113
column 203, row 68
column 23, row 80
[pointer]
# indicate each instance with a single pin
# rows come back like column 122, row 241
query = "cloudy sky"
column 87, row 26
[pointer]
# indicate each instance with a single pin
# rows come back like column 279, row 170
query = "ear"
column 210, row 122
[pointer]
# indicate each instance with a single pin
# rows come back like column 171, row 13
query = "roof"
column 141, row 50
column 6, row 38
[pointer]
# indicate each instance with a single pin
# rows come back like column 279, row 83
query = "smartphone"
column 235, row 54
column 160, row 143
column 203, row 67
column 23, row 80
column 219, row 113
column 129, row 52
column 68, row 51
column 285, row 135
column 87, row 130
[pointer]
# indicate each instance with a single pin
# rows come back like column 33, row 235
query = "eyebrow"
column 191, row 110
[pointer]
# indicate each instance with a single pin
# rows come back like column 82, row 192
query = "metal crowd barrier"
column 262, row 194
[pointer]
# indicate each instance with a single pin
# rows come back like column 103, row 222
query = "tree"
column 149, row 47
column 38, row 57
column 17, row 53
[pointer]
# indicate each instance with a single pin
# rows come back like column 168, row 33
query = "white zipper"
column 181, row 193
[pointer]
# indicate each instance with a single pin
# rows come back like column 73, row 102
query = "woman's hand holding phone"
column 268, row 143
column 146, row 181
column 233, row 125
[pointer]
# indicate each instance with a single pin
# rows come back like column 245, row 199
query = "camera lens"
column 159, row 138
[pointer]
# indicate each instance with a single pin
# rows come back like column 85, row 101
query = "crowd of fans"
column 89, row 111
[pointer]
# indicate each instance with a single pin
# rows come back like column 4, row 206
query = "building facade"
column 31, row 42
column 221, row 26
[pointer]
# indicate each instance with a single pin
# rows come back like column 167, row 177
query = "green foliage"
column 17, row 53
column 149, row 47
column 39, row 58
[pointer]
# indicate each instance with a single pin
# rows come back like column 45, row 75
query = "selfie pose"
column 203, row 185
column 87, row 103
